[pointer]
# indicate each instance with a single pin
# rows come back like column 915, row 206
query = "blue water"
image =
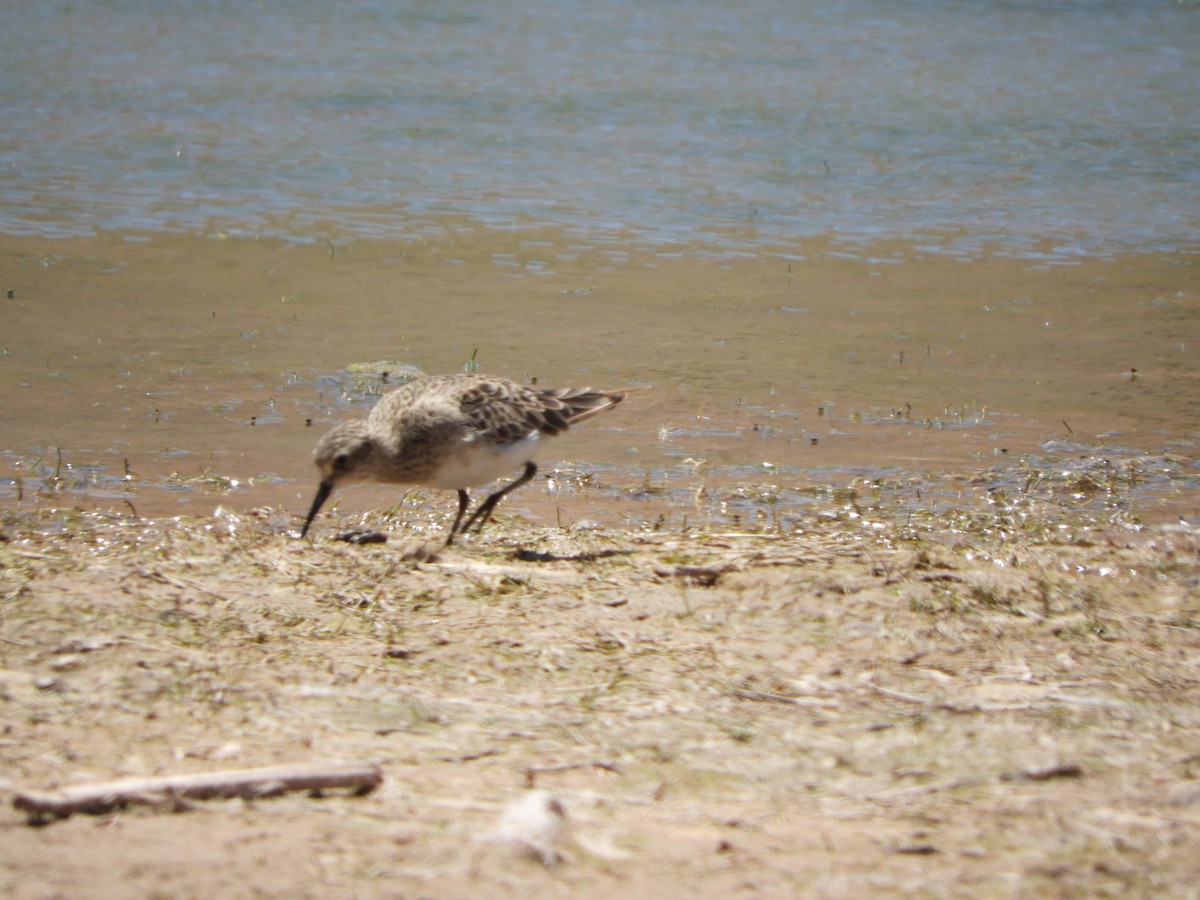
column 1031, row 128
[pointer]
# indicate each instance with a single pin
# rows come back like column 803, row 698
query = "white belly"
column 473, row 464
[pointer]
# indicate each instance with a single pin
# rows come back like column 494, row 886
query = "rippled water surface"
column 1051, row 128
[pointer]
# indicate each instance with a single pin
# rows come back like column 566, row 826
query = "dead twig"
column 701, row 576
column 962, row 709
column 270, row 781
column 765, row 697
column 468, row 757
column 1061, row 770
column 533, row 772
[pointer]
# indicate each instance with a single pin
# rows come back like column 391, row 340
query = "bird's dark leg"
column 464, row 501
column 484, row 513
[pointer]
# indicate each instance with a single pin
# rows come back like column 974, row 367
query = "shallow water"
column 1043, row 129
column 176, row 373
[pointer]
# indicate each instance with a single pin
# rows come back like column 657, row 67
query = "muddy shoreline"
column 171, row 374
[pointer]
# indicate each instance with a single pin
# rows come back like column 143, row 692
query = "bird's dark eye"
column 339, row 461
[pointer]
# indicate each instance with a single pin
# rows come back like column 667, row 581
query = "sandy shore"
column 993, row 705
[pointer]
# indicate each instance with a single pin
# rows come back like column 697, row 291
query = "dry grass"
column 991, row 702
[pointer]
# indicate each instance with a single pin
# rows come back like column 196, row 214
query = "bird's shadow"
column 524, row 554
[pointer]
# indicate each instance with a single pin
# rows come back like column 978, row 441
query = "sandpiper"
column 453, row 432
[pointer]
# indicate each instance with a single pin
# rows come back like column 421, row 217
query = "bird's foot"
column 361, row 536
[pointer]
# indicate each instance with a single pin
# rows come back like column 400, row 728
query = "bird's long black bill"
column 323, row 492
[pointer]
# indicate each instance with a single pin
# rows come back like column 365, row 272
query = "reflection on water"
column 1045, row 129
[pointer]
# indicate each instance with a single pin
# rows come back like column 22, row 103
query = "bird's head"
column 343, row 452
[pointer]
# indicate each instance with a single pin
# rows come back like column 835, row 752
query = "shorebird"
column 453, row 432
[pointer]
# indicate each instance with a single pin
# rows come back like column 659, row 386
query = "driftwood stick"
column 174, row 789
column 533, row 772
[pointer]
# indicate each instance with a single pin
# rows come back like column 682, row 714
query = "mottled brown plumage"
column 452, row 432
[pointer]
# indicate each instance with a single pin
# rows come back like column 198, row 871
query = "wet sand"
column 177, row 372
